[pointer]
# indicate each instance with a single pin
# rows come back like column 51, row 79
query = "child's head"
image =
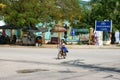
column 62, row 40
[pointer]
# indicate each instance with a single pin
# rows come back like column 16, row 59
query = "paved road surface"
column 41, row 64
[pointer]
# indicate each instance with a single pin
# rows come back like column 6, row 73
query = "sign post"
column 104, row 26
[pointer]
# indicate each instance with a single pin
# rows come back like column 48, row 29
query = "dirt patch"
column 30, row 70
column 67, row 71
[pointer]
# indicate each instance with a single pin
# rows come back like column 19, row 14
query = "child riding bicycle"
column 62, row 49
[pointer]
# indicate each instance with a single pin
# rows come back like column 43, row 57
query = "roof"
column 27, row 28
column 2, row 23
column 8, row 26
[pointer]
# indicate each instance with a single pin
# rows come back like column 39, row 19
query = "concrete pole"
column 91, row 36
column 60, row 25
column 43, row 37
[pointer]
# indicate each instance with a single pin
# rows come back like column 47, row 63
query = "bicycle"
column 62, row 55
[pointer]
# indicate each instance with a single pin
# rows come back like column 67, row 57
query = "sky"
column 85, row 0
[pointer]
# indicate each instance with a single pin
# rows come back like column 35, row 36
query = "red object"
column 3, row 32
column 95, row 38
column 54, row 40
column 111, row 37
column 39, row 40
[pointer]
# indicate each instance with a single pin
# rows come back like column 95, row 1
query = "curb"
column 68, row 46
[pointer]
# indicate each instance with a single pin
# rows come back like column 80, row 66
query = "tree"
column 70, row 9
column 21, row 12
column 106, row 10
column 30, row 12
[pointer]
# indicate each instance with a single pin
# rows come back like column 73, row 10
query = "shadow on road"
column 75, row 63
column 78, row 63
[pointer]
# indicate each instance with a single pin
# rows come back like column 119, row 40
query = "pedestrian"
column 39, row 41
column 14, row 39
column 7, row 39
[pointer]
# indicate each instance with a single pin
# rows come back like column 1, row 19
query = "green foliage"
column 106, row 10
column 80, row 43
column 26, row 12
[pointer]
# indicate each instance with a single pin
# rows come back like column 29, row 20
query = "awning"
column 58, row 28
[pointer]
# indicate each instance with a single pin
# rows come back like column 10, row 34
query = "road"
column 41, row 64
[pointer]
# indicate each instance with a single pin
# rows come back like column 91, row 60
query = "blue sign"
column 72, row 33
column 104, row 26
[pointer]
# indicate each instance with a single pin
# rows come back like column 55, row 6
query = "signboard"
column 103, row 26
column 43, row 29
